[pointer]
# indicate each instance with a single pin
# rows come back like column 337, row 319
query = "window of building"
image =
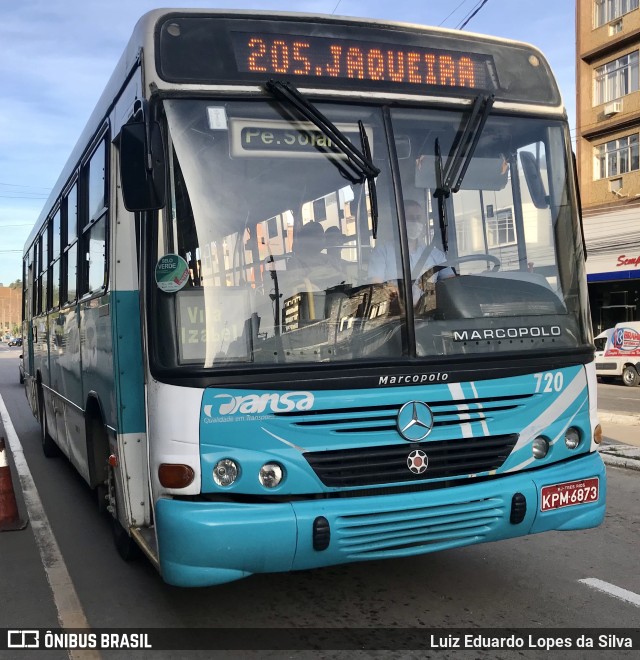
column 608, row 10
column 617, row 78
column 320, row 209
column 615, row 27
column 617, row 157
column 501, row 229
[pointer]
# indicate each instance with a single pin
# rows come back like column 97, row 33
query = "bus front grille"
column 422, row 529
column 365, row 466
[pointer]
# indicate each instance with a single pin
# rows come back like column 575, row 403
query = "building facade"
column 608, row 154
column 10, row 309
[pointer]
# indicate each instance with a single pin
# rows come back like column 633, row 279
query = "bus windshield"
column 282, row 266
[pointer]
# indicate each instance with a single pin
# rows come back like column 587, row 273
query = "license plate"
column 569, row 494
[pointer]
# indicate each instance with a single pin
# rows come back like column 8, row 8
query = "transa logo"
column 255, row 404
column 626, row 339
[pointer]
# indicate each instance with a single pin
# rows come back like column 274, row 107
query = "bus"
column 311, row 290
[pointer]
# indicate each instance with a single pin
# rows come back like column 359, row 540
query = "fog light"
column 271, row 475
column 540, row 447
column 225, row 472
column 572, row 438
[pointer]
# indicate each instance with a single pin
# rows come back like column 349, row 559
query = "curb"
column 621, row 455
column 619, row 461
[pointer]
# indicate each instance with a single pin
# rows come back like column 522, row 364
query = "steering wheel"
column 476, row 257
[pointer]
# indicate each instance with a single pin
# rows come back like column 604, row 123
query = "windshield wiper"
column 449, row 177
column 358, row 166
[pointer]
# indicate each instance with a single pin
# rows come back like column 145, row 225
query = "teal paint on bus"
column 253, row 427
column 208, row 543
column 127, row 362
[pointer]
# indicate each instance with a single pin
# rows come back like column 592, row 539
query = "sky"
column 57, row 56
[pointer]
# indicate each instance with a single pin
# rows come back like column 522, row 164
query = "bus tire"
column 49, row 447
column 630, row 376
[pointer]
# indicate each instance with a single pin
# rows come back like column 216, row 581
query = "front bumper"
column 208, row 543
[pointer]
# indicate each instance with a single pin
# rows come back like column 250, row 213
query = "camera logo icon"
column 23, row 639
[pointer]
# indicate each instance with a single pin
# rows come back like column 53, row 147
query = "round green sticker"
column 172, row 273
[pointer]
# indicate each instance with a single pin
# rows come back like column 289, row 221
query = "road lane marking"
column 612, row 590
column 65, row 597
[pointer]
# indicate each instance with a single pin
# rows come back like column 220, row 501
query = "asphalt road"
column 532, row 582
column 616, row 397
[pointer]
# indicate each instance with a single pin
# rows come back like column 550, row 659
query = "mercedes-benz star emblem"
column 417, row 461
column 415, row 421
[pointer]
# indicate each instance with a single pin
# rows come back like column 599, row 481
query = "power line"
column 473, row 13
column 17, row 185
column 35, row 196
column 452, row 13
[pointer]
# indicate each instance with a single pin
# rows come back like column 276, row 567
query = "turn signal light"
column 597, row 434
column 173, row 475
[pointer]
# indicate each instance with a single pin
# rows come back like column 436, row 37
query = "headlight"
column 225, row 472
column 540, row 447
column 271, row 475
column 572, row 438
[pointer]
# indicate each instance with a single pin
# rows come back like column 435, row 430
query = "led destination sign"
column 354, row 56
column 329, row 58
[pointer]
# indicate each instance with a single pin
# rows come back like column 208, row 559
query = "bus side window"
column 94, row 221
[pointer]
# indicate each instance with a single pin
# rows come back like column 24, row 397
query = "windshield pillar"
column 517, row 212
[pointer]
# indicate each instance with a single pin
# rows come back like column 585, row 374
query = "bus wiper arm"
column 466, row 144
column 360, row 167
column 459, row 159
column 371, row 179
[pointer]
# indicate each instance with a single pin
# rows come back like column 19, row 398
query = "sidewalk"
column 23, row 578
column 621, row 447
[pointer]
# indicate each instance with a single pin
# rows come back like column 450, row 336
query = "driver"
column 426, row 261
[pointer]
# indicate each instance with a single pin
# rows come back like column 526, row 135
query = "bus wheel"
column 49, row 447
column 125, row 545
column 630, row 376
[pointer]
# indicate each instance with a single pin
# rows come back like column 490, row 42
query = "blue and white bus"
column 311, row 290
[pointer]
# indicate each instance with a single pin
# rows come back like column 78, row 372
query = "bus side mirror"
column 534, row 180
column 142, row 166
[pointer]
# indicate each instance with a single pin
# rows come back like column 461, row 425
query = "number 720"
column 549, row 381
